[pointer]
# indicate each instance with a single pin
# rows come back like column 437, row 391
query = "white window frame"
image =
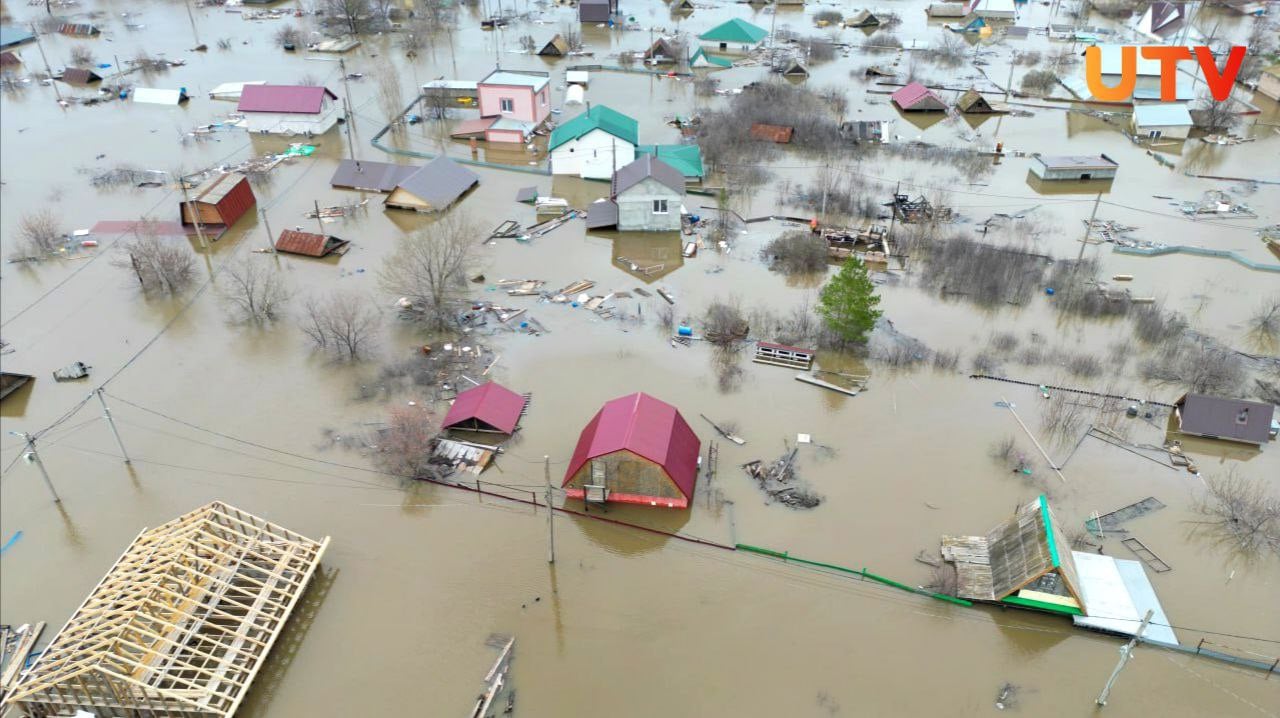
column 663, row 204
column 506, row 105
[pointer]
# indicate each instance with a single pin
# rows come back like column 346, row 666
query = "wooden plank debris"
column 725, row 432
column 1149, row 557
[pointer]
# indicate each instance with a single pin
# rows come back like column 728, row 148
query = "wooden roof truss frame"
column 182, row 622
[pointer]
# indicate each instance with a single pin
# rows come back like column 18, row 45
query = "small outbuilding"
column 996, row 9
column 80, row 76
column 862, row 18
column 947, row 9
column 490, row 408
column 1170, row 121
column 288, row 109
column 648, row 193
column 555, row 47
column 79, row 29
column 14, row 35
column 915, row 97
column 1074, row 167
column 700, row 58
column 635, row 450
column 9, row 59
column 370, row 176
column 596, row 10
column 310, row 244
column 972, row 102
column 779, row 134
column 219, row 200
column 158, row 96
column 795, row 68
column 11, row 382
column 660, row 53
column 1162, row 20
column 434, row 187
column 1215, row 417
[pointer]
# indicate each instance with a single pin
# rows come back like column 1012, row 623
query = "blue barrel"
column 685, row 331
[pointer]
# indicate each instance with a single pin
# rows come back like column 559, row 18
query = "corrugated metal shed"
column 294, row 99
column 221, row 199
column 647, row 427
column 771, row 133
column 488, row 407
column 434, row 187
column 370, row 176
column 1221, row 418
column 1118, row 594
column 310, row 244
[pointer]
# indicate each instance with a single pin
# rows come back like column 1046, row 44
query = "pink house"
column 515, row 103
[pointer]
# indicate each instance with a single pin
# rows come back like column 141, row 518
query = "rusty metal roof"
column 772, row 133
column 309, row 244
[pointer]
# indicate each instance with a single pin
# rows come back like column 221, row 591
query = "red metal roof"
column 913, row 94
column 780, row 134
column 309, row 244
column 491, row 403
column 302, row 99
column 230, row 193
column 646, row 427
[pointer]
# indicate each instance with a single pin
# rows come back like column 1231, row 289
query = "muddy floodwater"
column 626, row 622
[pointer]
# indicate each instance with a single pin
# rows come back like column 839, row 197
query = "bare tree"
column 571, row 32
column 1244, row 513
column 255, row 291
column 390, row 96
column 404, row 445
column 1264, row 325
column 351, row 15
column 1215, row 115
column 163, row 265
column 341, row 323
column 528, row 44
column 723, row 323
column 796, row 252
column 39, row 233
column 81, row 56
column 429, row 268
column 1262, row 44
column 436, row 104
column 288, row 34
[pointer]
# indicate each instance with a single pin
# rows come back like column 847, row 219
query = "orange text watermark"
column 1219, row 82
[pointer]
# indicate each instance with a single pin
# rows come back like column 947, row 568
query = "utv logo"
column 1219, row 82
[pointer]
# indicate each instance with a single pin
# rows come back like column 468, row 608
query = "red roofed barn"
column 288, row 109
column 918, row 98
column 219, row 201
column 489, row 407
column 640, row 450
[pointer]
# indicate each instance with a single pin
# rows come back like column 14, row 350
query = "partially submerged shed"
column 11, row 382
column 1025, row 561
column 947, row 9
column 1163, row 120
column 1215, row 417
column 637, row 450
column 596, row 10
column 434, row 187
column 158, row 96
column 219, row 200
column 915, row 97
column 10, row 59
column 661, row 52
column 14, row 35
column 555, row 47
column 1074, row 167
column 180, row 625
column 78, row 29
column 490, row 408
column 972, row 102
column 370, row 176
column 80, row 76
column 862, row 18
column 310, row 244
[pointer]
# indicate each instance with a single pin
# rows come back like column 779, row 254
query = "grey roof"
column 643, row 168
column 1234, row 419
column 440, row 182
column 602, row 213
column 1081, row 162
column 11, row 35
column 374, row 176
column 595, row 10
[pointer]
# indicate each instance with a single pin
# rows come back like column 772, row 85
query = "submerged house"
column 489, row 407
column 596, row 10
column 218, row 201
column 180, row 625
column 995, row 9
column 288, row 109
column 555, row 47
column 972, row 102
column 648, row 193
column 310, row 244
column 434, row 187
column 636, row 450
column 862, row 18
column 370, row 176
column 1215, row 417
column 660, row 52
column 915, row 97
column 735, row 35
column 594, row 144
column 1074, row 167
column 79, row 76
column 14, row 35
column 687, row 159
column 1171, row 121
column 1146, row 86
column 516, row 102
column 700, row 58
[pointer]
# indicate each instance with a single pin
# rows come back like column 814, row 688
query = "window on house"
column 544, row 98
column 659, row 206
column 506, row 104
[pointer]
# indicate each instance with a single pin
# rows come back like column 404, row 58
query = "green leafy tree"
column 848, row 302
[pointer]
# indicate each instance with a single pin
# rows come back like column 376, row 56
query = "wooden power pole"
column 551, row 513
column 1126, row 655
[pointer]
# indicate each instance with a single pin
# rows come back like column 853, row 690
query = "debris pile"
column 778, row 479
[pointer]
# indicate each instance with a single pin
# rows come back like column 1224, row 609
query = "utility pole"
column 1013, row 62
column 351, row 145
column 35, row 456
column 551, row 513
column 195, row 34
column 195, row 211
column 119, row 73
column 271, row 238
column 893, row 215
column 106, row 413
column 1088, row 228
column 826, row 182
column 319, row 222
column 1126, row 655
column 47, row 69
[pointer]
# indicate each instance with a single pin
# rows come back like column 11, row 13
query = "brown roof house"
column 310, row 244
column 972, row 102
column 439, row 183
column 1215, row 417
column 555, row 47
column 219, row 201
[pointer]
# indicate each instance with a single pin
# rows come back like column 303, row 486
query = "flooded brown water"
column 626, row 623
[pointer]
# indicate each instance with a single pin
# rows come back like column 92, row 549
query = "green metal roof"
column 735, row 31
column 717, row 61
column 596, row 117
column 686, row 159
column 1048, row 531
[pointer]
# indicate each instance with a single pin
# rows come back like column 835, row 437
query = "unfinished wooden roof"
column 1012, row 556
column 181, row 623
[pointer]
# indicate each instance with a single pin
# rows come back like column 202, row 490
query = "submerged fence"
column 1199, row 251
